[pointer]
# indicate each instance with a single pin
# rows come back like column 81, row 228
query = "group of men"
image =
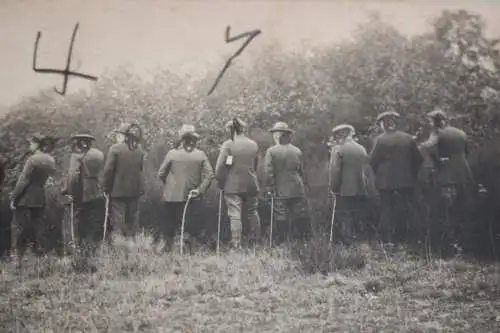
column 391, row 172
column 390, row 169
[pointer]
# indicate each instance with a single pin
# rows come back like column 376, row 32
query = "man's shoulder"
column 95, row 153
column 117, row 147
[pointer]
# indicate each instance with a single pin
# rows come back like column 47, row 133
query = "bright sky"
column 183, row 36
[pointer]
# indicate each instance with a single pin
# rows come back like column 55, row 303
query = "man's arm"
column 335, row 169
column 73, row 174
column 220, row 164
column 207, row 174
column 269, row 183
column 108, row 174
column 165, row 168
column 24, row 180
column 376, row 155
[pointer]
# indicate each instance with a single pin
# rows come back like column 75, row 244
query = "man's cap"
column 83, row 137
column 281, row 126
column 188, row 130
column 344, row 127
column 387, row 114
column 437, row 114
column 123, row 129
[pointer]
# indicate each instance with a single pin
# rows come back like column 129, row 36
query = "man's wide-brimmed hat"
column 344, row 127
column 188, row 131
column 387, row 114
column 281, row 127
column 437, row 114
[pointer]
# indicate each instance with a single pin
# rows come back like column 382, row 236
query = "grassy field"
column 138, row 289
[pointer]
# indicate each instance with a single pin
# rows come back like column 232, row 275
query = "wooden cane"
column 221, row 193
column 271, row 223
column 333, row 217
column 106, row 216
column 190, row 195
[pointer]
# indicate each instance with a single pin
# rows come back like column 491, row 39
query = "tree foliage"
column 452, row 66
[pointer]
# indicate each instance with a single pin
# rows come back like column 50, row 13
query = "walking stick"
column 271, row 223
column 221, row 193
column 72, row 231
column 106, row 216
column 190, row 195
column 333, row 217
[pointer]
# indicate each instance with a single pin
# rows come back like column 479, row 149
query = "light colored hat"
column 343, row 127
column 281, row 126
column 386, row 114
column 437, row 114
column 188, row 130
column 123, row 129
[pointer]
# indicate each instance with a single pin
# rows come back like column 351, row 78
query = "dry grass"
column 137, row 289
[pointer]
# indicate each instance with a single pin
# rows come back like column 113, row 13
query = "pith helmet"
column 387, row 114
column 344, row 127
column 188, row 130
column 281, row 127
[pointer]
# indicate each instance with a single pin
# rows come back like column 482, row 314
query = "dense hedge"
column 451, row 66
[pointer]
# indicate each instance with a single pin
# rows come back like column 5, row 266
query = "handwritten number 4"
column 65, row 72
column 250, row 36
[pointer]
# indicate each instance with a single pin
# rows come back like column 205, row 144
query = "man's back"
column 395, row 159
column 30, row 187
column 450, row 157
column 123, row 171
column 241, row 175
column 349, row 169
column 283, row 168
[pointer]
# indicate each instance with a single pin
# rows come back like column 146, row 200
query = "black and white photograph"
column 249, row 166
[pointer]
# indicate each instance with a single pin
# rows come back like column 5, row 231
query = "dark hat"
column 188, row 130
column 437, row 114
column 237, row 120
column 131, row 130
column 42, row 139
column 386, row 114
column 344, row 127
column 281, row 127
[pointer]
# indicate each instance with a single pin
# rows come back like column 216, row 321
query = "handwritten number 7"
column 250, row 36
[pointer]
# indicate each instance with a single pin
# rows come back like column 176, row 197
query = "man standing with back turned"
column 28, row 199
column 236, row 175
column 284, row 172
column 395, row 160
column 447, row 148
column 82, row 186
column 348, row 183
column 122, row 180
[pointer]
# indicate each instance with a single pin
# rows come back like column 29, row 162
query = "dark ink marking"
column 66, row 72
column 250, row 34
